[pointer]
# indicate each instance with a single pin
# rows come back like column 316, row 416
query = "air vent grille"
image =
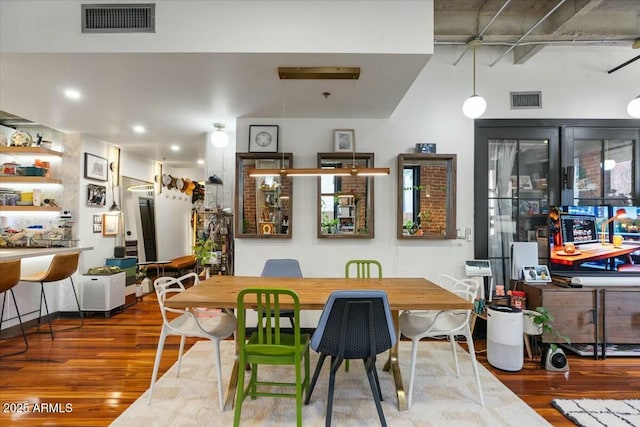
column 118, row 18
column 522, row 100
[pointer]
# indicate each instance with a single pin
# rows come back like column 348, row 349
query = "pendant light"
column 219, row 138
column 634, row 107
column 475, row 105
column 317, row 73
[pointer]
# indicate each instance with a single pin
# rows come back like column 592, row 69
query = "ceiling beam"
column 557, row 22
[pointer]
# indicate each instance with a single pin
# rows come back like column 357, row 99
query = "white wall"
column 399, row 26
column 574, row 84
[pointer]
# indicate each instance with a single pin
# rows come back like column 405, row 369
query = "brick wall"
column 433, row 198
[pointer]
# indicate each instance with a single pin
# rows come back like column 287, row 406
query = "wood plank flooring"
column 88, row 376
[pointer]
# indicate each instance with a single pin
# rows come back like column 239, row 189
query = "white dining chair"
column 417, row 325
column 191, row 322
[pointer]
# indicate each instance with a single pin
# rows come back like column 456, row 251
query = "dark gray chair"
column 354, row 324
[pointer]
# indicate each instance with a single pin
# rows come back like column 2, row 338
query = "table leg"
column 393, row 365
column 233, row 383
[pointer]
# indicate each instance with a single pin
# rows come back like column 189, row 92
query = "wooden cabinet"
column 573, row 310
column 593, row 315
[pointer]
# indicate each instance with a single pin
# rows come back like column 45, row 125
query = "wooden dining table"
column 403, row 294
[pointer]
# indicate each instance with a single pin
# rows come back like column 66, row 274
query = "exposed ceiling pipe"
column 556, row 42
column 624, row 64
column 528, row 32
column 479, row 35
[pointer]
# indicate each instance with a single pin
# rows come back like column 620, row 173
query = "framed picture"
column 263, row 138
column 344, row 140
column 95, row 167
column 536, row 274
column 426, row 148
column 96, row 195
column 525, row 182
column 110, row 224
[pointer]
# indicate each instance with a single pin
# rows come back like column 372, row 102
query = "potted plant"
column 143, row 280
column 540, row 321
column 203, row 250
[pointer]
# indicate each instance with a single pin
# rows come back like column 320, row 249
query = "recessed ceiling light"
column 175, row 148
column 72, row 94
column 139, row 129
column 200, row 161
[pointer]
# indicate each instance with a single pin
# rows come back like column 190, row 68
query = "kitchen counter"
column 7, row 254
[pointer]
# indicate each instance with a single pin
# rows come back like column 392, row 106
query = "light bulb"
column 219, row 138
column 634, row 107
column 474, row 106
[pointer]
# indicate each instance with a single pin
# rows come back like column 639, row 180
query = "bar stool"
column 62, row 267
column 9, row 278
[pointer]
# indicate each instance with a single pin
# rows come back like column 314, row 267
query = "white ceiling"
column 178, row 96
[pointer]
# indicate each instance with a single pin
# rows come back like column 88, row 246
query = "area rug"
column 440, row 398
column 600, row 412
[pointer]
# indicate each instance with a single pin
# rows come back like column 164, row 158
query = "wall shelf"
column 23, row 151
column 22, row 179
column 29, row 208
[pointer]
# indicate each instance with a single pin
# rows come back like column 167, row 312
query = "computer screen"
column 578, row 229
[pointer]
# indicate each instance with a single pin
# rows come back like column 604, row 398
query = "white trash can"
column 505, row 349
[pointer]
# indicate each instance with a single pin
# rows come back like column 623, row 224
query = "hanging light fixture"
column 219, row 138
column 634, row 107
column 475, row 105
column 317, row 73
column 114, row 206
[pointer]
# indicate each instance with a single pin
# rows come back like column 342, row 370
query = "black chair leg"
column 374, row 391
column 46, row 306
column 314, row 379
column 335, row 365
column 24, row 335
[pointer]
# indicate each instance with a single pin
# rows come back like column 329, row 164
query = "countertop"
column 7, row 254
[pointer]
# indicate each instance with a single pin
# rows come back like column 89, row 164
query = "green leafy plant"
column 544, row 320
column 202, row 250
column 142, row 273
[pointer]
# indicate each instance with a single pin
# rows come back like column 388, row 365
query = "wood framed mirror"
column 345, row 203
column 426, row 196
column 263, row 203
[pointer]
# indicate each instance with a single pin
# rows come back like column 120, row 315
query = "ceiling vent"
column 522, row 100
column 118, row 18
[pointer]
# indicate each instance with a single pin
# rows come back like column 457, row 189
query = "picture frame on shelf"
column 263, row 138
column 95, row 167
column 96, row 195
column 110, row 224
column 344, row 140
column 536, row 274
column 525, row 182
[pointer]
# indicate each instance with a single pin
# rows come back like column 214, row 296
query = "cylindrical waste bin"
column 505, row 348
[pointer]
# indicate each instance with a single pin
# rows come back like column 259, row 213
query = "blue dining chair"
column 354, row 324
column 282, row 268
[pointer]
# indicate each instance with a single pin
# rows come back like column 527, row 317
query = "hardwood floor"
column 96, row 372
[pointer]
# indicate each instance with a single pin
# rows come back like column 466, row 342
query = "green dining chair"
column 361, row 269
column 268, row 345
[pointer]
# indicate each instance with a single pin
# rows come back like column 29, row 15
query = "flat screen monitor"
column 582, row 225
column 578, row 229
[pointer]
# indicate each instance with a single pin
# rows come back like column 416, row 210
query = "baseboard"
column 13, row 331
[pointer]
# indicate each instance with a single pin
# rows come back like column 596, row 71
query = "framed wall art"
column 96, row 195
column 263, row 138
column 110, row 224
column 95, row 167
column 344, row 140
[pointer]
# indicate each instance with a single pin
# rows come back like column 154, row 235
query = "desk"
column 593, row 254
column 402, row 293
